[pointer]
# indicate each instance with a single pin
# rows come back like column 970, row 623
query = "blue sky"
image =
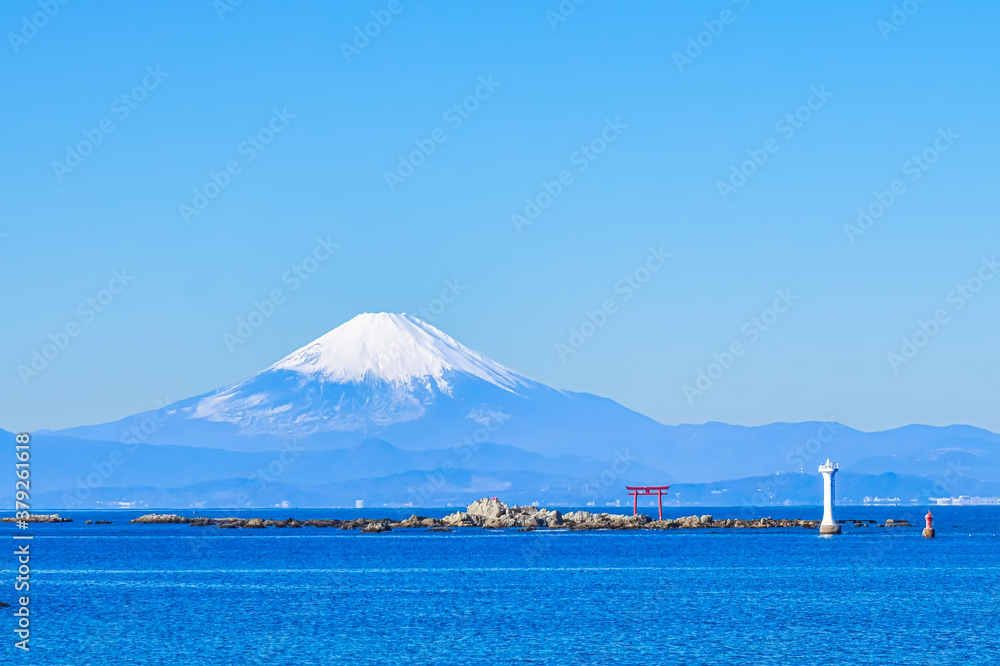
column 621, row 101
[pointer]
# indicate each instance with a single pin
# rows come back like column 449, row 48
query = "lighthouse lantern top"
column 829, row 466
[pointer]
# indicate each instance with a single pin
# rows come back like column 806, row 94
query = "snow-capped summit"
column 372, row 371
column 394, row 348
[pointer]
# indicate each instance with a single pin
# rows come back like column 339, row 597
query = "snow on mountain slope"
column 394, row 348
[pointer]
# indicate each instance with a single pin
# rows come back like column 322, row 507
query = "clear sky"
column 630, row 114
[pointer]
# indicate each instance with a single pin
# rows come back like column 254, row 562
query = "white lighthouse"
column 828, row 526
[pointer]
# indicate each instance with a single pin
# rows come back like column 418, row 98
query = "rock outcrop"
column 695, row 522
column 160, row 519
column 377, row 526
column 200, row 522
column 584, row 520
column 494, row 514
column 418, row 521
column 488, row 509
column 462, row 519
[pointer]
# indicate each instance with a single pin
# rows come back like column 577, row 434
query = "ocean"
column 174, row 594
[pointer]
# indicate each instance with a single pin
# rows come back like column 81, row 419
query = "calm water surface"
column 172, row 594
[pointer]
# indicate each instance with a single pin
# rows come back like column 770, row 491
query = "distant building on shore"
column 964, row 500
column 891, row 501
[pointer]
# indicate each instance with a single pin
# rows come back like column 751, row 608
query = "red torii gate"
column 635, row 491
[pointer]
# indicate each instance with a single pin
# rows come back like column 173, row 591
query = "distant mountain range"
column 389, row 410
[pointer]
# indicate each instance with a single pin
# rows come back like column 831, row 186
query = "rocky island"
column 489, row 514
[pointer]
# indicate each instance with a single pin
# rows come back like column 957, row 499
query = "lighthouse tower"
column 828, row 526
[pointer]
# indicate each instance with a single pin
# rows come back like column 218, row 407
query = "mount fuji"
column 391, row 377
column 389, row 409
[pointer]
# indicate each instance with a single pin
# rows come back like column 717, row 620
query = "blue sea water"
column 173, row 594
